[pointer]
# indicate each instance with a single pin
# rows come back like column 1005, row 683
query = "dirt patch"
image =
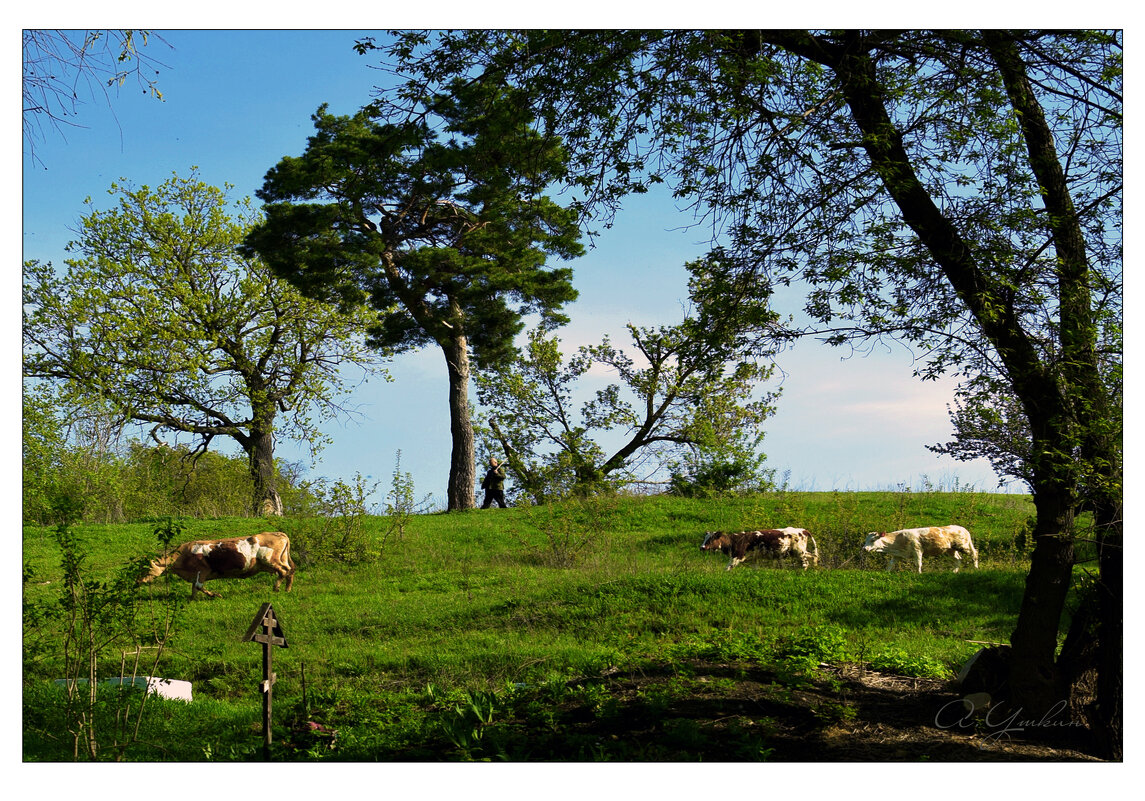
column 726, row 712
column 901, row 718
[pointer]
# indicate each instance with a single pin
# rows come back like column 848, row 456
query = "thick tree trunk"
column 260, row 448
column 462, row 468
column 1035, row 683
column 1105, row 722
column 1094, row 418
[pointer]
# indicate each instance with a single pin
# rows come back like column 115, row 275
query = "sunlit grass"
column 485, row 600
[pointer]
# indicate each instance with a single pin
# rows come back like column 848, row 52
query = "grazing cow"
column 914, row 543
column 773, row 543
column 237, row 557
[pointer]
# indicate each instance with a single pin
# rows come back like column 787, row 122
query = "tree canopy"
column 160, row 318
column 437, row 221
column 687, row 395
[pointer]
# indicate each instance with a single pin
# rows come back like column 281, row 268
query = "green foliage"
column 169, row 731
column 159, row 321
column 341, row 508
column 531, row 656
column 401, row 502
column 42, row 449
column 138, row 482
column 724, row 645
column 464, row 722
column 902, row 663
column 811, row 646
column 688, row 399
column 164, row 481
column 80, row 633
column 735, row 466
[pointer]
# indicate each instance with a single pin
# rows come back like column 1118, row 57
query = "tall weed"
column 401, row 503
column 342, row 513
column 97, row 631
column 565, row 534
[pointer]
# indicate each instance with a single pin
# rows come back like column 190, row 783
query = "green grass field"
column 473, row 620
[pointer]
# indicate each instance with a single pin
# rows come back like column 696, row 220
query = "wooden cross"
column 270, row 635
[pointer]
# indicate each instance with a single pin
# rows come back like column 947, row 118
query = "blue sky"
column 235, row 102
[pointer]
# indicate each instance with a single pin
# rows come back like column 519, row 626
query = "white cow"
column 914, row 543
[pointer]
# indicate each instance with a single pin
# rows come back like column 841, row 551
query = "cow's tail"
column 813, row 550
column 286, row 553
column 288, row 562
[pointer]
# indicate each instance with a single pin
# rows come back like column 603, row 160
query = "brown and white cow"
column 773, row 543
column 914, row 543
column 237, row 557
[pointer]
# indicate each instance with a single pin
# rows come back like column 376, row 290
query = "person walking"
column 494, row 485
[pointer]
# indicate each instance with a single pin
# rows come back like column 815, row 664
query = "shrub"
column 568, row 529
column 809, row 647
column 90, row 621
column 898, row 661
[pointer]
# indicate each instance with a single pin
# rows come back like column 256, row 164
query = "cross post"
column 271, row 634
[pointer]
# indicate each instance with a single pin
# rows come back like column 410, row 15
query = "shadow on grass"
column 938, row 598
column 699, row 711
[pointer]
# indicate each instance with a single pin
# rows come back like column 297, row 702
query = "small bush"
column 342, row 510
column 568, row 530
column 811, row 646
column 899, row 662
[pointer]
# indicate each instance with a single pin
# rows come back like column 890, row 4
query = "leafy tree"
column 160, row 319
column 445, row 238
column 960, row 190
column 692, row 384
column 85, row 443
column 60, row 66
column 723, row 467
column 990, row 423
column 42, row 448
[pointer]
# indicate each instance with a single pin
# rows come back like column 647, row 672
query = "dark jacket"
column 494, row 479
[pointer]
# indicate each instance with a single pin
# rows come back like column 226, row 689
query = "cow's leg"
column 283, row 574
column 918, row 561
column 957, row 560
column 890, row 563
column 198, row 585
column 200, row 588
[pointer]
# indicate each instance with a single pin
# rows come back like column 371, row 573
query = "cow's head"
column 149, row 570
column 713, row 541
column 875, row 542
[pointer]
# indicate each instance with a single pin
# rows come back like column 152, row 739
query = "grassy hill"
column 505, row 633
